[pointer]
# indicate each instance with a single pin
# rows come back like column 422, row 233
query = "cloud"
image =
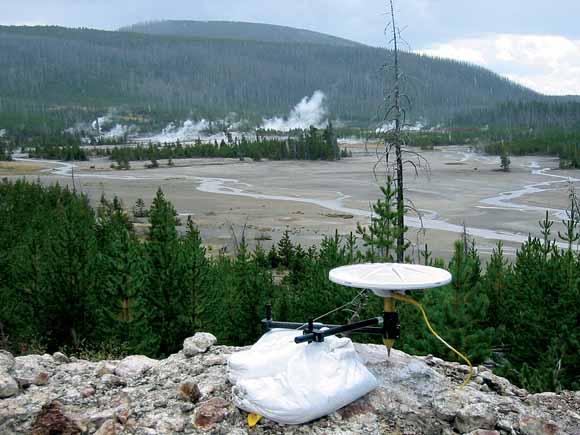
column 457, row 52
column 549, row 64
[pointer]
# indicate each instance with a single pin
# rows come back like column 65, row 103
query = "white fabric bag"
column 293, row 383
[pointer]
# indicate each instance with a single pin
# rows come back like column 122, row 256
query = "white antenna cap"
column 385, row 278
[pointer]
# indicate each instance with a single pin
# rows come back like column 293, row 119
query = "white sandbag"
column 293, row 383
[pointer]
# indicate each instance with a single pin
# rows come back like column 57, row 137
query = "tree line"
column 76, row 278
column 561, row 143
column 530, row 127
column 310, row 144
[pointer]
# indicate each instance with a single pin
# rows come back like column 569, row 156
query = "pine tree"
column 286, row 250
column 139, row 210
column 70, row 272
column 572, row 232
column 197, row 269
column 164, row 306
column 505, row 160
column 122, row 267
column 495, row 285
column 331, row 140
column 383, row 232
column 458, row 312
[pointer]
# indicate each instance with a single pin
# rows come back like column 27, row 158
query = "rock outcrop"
column 188, row 393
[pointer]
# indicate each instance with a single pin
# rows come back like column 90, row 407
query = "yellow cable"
column 400, row 297
column 253, row 419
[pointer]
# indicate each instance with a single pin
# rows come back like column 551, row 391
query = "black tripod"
column 386, row 326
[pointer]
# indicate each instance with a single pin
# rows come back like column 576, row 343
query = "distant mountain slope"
column 238, row 30
column 48, row 70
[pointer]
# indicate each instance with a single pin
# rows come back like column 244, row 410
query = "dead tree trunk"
column 397, row 142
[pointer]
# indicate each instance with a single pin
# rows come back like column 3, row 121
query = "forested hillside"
column 560, row 114
column 51, row 77
column 238, row 30
column 534, row 127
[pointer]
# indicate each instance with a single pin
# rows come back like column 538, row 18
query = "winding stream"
column 430, row 220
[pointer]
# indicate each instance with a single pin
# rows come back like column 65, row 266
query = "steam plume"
column 309, row 111
column 190, row 130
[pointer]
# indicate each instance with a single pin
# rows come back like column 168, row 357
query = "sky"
column 535, row 43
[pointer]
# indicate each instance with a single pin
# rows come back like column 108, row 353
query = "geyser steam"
column 189, row 131
column 309, row 111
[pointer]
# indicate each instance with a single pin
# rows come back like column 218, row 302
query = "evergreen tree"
column 331, row 141
column 123, row 274
column 164, row 306
column 139, row 210
column 505, row 161
column 69, row 276
column 382, row 233
column 458, row 312
column 197, row 269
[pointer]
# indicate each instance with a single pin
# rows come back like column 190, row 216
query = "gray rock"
column 88, row 392
column 447, row 405
column 134, row 366
column 505, row 425
column 105, row 368
column 60, row 358
column 109, row 427
column 483, row 432
column 170, row 425
column 102, row 417
column 197, row 344
column 33, row 369
column 475, row 416
column 8, row 386
column 214, row 360
column 6, row 361
column 113, row 380
column 76, row 368
column 532, row 425
column 415, row 396
column 496, row 383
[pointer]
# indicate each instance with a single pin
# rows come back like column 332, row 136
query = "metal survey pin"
column 391, row 325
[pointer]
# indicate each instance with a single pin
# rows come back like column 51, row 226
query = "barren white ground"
column 315, row 198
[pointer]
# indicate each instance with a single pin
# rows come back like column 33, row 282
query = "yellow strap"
column 400, row 297
column 253, row 419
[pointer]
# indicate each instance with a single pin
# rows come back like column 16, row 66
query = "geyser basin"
column 385, row 278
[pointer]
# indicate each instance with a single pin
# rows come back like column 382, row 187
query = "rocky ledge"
column 189, row 393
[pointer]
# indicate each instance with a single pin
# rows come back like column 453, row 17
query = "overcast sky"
column 536, row 43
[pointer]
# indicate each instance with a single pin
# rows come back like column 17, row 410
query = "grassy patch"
column 19, row 168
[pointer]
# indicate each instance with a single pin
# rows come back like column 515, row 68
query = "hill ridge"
column 238, row 30
column 58, row 73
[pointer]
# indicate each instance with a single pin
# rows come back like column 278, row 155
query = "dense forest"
column 520, row 115
column 565, row 145
column 57, row 77
column 84, row 281
column 523, row 128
